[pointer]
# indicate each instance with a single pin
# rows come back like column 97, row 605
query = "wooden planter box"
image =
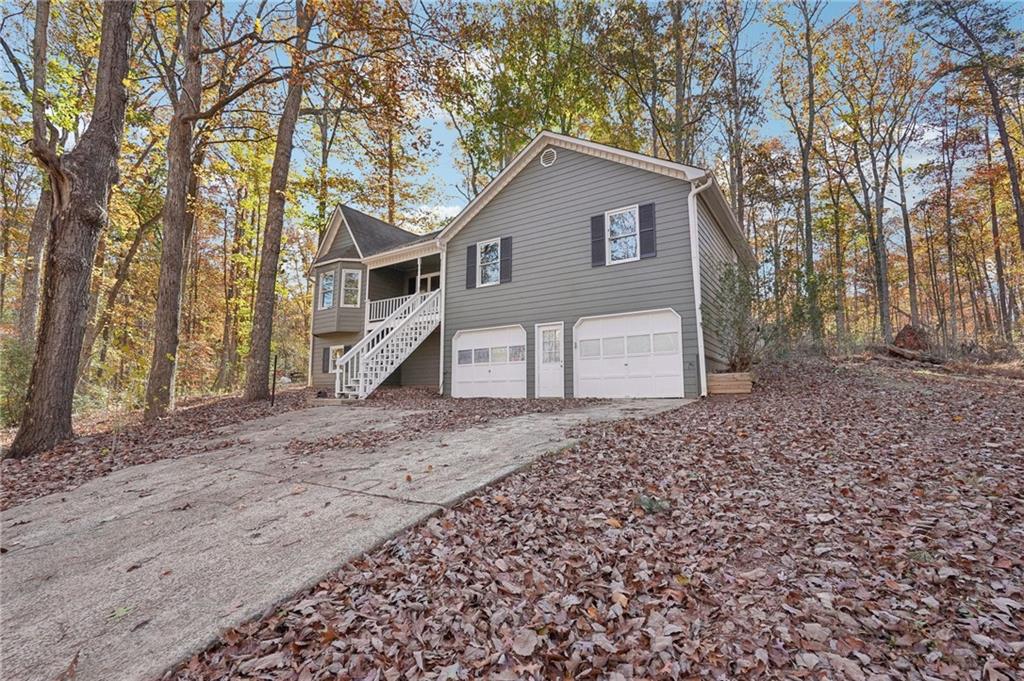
column 730, row 384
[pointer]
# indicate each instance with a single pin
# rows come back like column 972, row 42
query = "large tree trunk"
column 256, row 379
column 176, row 221
column 84, row 177
column 37, row 236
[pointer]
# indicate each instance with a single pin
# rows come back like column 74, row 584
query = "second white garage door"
column 489, row 362
column 637, row 354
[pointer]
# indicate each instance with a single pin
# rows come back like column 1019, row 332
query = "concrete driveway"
column 137, row 570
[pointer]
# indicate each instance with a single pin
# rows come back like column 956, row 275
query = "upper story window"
column 351, row 287
column 622, row 235
column 488, row 266
column 326, row 290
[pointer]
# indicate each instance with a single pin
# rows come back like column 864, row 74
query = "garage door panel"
column 489, row 363
column 629, row 355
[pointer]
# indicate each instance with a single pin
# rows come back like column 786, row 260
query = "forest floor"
column 111, row 441
column 855, row 519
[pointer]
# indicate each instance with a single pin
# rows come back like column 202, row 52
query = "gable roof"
column 369, row 235
column 715, row 198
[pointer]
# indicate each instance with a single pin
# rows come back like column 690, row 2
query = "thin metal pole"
column 273, row 383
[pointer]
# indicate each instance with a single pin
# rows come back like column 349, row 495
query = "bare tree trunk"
column 176, row 221
column 908, row 237
column 37, row 237
column 82, row 180
column 229, row 350
column 807, row 143
column 677, row 58
column 1002, row 308
column 256, row 380
column 951, row 273
column 1004, row 140
column 120, row 278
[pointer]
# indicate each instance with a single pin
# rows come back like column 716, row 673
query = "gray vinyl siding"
column 343, row 246
column 715, row 254
column 387, row 282
column 338, row 318
column 319, row 379
column 547, row 213
column 422, row 366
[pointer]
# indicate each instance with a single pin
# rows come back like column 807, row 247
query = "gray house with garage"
column 581, row 270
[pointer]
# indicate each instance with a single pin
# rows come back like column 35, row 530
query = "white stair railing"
column 347, row 368
column 379, row 361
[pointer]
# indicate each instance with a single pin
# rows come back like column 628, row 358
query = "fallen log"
column 914, row 355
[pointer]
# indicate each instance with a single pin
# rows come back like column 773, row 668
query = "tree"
column 256, row 380
column 80, row 180
column 184, row 154
column 742, row 109
column 979, row 32
column 798, row 75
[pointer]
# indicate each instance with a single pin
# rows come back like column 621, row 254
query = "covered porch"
column 389, row 286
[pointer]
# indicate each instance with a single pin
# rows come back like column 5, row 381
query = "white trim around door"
column 549, row 360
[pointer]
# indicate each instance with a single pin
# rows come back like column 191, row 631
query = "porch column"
column 419, row 270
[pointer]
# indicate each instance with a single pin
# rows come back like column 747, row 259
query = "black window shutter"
column 506, row 259
column 648, row 241
column 597, row 241
column 471, row 266
column 327, row 361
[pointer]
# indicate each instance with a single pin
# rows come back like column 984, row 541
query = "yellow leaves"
column 614, row 522
column 257, row 26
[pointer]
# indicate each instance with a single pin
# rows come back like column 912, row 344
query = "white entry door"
column 636, row 354
column 549, row 362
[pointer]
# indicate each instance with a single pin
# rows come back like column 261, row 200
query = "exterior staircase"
column 382, row 350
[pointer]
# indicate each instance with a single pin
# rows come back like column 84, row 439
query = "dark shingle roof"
column 373, row 235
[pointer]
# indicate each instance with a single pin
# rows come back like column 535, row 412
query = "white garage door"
column 628, row 355
column 489, row 363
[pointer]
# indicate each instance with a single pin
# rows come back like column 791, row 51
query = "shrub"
column 746, row 339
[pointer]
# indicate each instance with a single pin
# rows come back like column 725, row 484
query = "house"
column 581, row 270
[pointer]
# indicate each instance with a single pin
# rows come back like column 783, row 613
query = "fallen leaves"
column 810, row 547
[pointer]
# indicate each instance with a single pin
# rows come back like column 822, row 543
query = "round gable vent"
column 547, row 158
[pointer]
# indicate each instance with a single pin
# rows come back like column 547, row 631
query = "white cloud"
column 438, row 214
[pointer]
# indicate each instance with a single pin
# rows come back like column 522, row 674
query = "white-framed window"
column 465, row 357
column 336, row 353
column 613, row 346
column 481, row 355
column 326, row 290
column 638, row 345
column 499, row 354
column 590, row 348
column 351, row 288
column 665, row 343
column 622, row 235
column 488, row 263
column 517, row 353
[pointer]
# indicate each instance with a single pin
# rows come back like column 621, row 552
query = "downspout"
column 444, row 292
column 695, row 266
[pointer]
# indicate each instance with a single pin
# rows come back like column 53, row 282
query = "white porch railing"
column 382, row 350
column 379, row 310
